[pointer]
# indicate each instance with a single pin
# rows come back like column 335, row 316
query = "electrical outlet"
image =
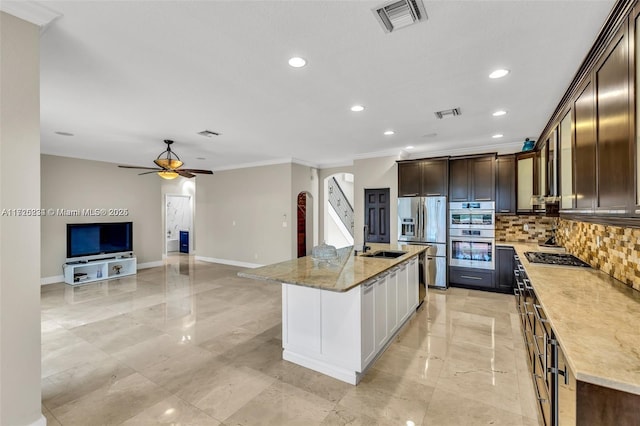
column 284, row 224
column 233, row 223
column 525, row 227
column 255, row 255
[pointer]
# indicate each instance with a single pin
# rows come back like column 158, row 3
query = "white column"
column 19, row 236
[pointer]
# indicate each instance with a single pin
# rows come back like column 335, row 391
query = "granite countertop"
column 595, row 317
column 341, row 275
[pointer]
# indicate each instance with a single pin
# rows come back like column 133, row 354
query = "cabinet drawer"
column 471, row 277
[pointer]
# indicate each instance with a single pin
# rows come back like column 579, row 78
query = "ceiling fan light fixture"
column 171, row 161
column 168, row 174
column 168, row 163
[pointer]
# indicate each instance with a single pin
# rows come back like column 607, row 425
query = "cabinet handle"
column 504, row 210
column 470, row 277
column 482, row 199
column 433, row 195
column 410, row 195
column 370, row 284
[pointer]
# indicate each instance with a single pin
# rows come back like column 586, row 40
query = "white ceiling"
column 123, row 76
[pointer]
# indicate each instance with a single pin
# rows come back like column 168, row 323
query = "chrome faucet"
column 365, row 247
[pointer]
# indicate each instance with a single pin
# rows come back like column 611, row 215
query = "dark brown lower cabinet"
column 504, row 269
column 597, row 405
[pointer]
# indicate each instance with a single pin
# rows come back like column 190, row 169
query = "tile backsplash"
column 512, row 228
column 613, row 249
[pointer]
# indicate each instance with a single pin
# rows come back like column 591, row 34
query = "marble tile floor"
column 191, row 343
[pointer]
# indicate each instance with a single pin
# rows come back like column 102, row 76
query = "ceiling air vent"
column 448, row 113
column 399, row 14
column 208, row 133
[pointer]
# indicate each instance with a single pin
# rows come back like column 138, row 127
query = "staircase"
column 341, row 205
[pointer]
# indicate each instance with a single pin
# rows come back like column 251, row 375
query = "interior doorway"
column 377, row 218
column 304, row 224
column 338, row 213
column 178, row 218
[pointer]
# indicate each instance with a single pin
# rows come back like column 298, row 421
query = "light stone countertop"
column 595, row 317
column 340, row 275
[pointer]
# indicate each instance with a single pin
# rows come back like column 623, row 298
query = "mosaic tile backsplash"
column 511, row 228
column 613, row 249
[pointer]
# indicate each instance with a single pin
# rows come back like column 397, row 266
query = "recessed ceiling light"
column 357, row 108
column 499, row 113
column 64, row 134
column 499, row 73
column 297, row 62
column 389, row 133
column 409, row 147
column 497, row 136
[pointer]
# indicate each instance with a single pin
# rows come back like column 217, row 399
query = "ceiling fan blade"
column 201, row 171
column 140, row 168
column 184, row 173
column 146, row 173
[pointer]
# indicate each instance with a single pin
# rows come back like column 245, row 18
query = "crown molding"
column 30, row 11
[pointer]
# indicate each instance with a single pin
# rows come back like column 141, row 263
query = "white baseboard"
column 228, row 262
column 51, row 280
column 351, row 377
column 42, row 421
column 147, row 265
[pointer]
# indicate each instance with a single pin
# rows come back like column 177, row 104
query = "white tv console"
column 97, row 270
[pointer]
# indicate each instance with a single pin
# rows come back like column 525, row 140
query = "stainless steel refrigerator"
column 423, row 221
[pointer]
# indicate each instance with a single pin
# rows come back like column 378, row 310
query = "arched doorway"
column 304, row 223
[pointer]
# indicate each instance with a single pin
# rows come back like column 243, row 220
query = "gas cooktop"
column 562, row 259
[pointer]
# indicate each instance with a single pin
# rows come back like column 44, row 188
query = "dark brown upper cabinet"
column 472, row 179
column 506, row 184
column 585, row 149
column 526, row 181
column 614, row 148
column 423, row 178
column 435, row 175
column 410, row 179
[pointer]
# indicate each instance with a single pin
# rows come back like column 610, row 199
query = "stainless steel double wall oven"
column 472, row 234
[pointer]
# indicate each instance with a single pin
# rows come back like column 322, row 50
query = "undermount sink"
column 387, row 254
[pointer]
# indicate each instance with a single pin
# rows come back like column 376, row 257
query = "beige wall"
column 239, row 215
column 19, row 235
column 69, row 183
column 373, row 173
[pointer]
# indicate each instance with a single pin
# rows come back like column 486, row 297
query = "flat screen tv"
column 91, row 239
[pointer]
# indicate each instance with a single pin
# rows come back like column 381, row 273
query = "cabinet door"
column 403, row 295
column 410, row 179
column 434, row 178
column 483, row 179
column 525, row 181
column 614, row 147
column 585, row 149
column 412, row 283
column 380, row 314
column 368, row 345
column 392, row 303
column 506, row 184
column 458, row 180
column 505, row 268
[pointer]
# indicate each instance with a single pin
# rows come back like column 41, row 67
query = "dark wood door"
column 377, row 217
column 506, row 184
column 410, row 179
column 458, row 180
column 614, row 144
column 435, row 177
column 483, row 178
column 585, row 144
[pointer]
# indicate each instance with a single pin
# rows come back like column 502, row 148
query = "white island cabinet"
column 341, row 333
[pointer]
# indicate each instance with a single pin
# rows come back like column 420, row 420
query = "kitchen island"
column 338, row 316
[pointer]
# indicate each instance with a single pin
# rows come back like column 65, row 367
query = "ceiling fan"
column 169, row 165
